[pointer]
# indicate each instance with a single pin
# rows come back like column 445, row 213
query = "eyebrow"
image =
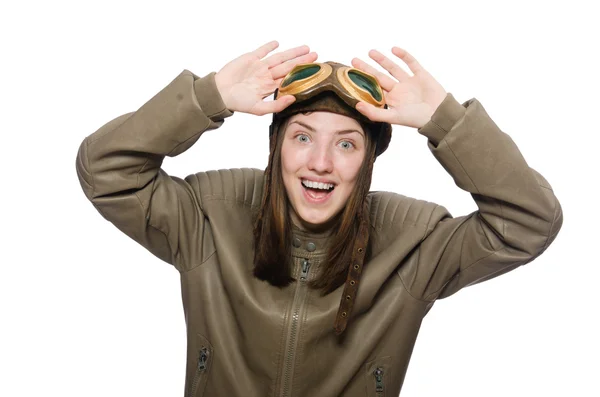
column 311, row 129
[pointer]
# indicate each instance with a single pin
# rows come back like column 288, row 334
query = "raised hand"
column 244, row 82
column 411, row 100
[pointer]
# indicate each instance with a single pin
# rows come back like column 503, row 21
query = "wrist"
column 423, row 121
column 210, row 98
column 221, row 88
column 444, row 117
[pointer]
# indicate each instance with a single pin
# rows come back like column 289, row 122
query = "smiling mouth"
column 317, row 192
column 317, row 186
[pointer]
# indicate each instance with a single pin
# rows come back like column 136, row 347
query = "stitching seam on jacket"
column 137, row 179
column 473, row 264
column 87, row 158
column 425, row 232
column 235, row 200
column 199, row 198
column 408, row 212
column 458, row 161
column 200, row 263
column 441, row 129
column 146, row 213
column 554, row 218
column 89, row 185
column 404, row 284
column 475, row 186
column 253, row 190
column 435, row 293
column 115, row 127
column 376, row 209
column 201, row 130
column 427, row 227
column 175, row 262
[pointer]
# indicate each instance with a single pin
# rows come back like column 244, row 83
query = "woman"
column 271, row 262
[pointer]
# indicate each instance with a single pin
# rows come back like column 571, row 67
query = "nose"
column 320, row 159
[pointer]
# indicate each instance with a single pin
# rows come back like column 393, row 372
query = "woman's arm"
column 119, row 168
column 518, row 216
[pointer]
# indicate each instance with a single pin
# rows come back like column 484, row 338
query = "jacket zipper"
column 305, row 267
column 200, row 369
column 291, row 346
column 379, row 385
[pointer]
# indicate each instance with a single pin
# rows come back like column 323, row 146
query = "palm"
column 254, row 83
column 408, row 100
column 411, row 100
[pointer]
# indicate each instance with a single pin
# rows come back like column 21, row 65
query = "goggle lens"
column 300, row 73
column 366, row 83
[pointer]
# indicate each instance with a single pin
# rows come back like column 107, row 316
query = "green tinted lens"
column 300, row 74
column 366, row 83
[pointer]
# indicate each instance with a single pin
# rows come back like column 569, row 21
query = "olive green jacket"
column 246, row 338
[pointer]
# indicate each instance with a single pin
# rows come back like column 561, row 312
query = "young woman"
column 296, row 281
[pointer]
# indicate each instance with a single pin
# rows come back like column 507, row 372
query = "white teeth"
column 317, row 185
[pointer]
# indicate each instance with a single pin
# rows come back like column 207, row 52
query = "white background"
column 86, row 311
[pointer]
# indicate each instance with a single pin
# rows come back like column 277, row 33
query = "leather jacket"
column 247, row 338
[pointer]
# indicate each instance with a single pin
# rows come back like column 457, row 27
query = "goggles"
column 350, row 84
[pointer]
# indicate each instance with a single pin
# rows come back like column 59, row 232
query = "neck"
column 321, row 228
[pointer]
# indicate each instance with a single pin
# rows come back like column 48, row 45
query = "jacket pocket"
column 378, row 376
column 204, row 358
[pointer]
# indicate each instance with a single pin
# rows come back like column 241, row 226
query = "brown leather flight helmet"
column 335, row 88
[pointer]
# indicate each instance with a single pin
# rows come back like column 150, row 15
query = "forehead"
column 325, row 121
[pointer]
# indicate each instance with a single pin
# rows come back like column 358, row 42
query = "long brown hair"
column 273, row 228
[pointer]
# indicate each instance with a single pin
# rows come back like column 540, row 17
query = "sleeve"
column 119, row 169
column 518, row 214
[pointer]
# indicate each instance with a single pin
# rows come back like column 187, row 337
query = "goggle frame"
column 343, row 77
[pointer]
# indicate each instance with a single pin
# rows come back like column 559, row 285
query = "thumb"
column 275, row 106
column 375, row 113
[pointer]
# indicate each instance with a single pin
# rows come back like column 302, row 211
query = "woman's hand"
column 411, row 100
column 248, row 79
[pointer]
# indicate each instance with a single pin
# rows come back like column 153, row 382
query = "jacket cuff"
column 443, row 119
column 209, row 98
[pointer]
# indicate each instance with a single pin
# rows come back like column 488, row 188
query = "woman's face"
column 321, row 155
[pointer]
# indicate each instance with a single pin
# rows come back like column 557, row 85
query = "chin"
column 315, row 220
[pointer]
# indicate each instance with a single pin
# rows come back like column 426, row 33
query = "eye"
column 346, row 145
column 302, row 138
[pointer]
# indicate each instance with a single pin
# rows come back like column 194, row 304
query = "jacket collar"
column 308, row 244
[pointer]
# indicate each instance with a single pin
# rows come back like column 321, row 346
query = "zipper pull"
column 305, row 267
column 202, row 359
column 378, row 379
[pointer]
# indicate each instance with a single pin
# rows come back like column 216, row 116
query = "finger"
column 265, row 107
column 263, row 50
column 388, row 65
column 276, row 84
column 412, row 63
column 284, row 56
column 283, row 69
column 385, row 81
column 375, row 113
